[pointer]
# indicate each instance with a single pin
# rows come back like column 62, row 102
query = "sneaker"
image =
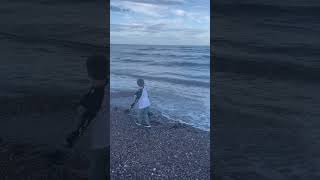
column 137, row 123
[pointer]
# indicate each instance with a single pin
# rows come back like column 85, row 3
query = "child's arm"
column 134, row 101
column 136, row 97
column 80, row 110
column 89, row 106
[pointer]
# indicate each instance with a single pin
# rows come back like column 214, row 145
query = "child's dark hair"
column 97, row 67
column 140, row 82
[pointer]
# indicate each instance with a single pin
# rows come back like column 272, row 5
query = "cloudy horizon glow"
column 160, row 22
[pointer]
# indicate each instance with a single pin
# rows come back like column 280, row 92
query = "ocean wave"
column 192, row 56
column 189, row 75
column 295, row 49
column 147, row 49
column 137, row 53
column 165, row 54
column 169, row 80
column 131, row 60
column 267, row 69
column 80, row 46
column 180, row 64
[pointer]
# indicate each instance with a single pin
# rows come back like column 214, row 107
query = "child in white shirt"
column 142, row 98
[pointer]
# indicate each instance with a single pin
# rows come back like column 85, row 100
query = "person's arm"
column 92, row 101
column 136, row 97
column 87, row 110
column 89, row 106
column 138, row 94
column 134, row 101
column 79, row 112
column 81, row 109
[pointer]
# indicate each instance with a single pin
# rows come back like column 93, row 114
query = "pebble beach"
column 167, row 150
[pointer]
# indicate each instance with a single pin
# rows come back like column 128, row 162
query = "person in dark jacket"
column 94, row 115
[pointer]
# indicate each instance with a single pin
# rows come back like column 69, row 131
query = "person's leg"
column 146, row 116
column 98, row 164
column 140, row 117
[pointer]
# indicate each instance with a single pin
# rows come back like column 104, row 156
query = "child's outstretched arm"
column 87, row 110
column 135, row 98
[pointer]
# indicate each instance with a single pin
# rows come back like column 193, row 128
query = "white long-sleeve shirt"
column 143, row 101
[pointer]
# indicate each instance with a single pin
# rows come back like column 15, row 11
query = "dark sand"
column 167, row 150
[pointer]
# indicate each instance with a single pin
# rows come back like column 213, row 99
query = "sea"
column 177, row 79
column 267, row 61
column 266, row 88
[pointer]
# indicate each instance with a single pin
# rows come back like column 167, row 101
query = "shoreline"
column 120, row 99
column 159, row 118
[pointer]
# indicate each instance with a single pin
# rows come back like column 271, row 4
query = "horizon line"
column 159, row 44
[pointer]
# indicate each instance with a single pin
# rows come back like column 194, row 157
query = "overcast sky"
column 160, row 22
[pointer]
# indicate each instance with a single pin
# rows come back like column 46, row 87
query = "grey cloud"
column 118, row 9
column 125, row 27
column 154, row 28
column 156, row 2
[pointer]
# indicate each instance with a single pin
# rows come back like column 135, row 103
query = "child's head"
column 97, row 68
column 140, row 82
